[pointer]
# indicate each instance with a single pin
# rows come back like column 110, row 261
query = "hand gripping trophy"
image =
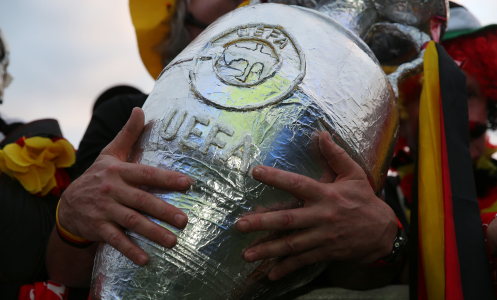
column 251, row 90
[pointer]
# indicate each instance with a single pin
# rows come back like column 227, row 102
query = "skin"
column 342, row 219
column 330, row 208
column 208, row 12
column 105, row 199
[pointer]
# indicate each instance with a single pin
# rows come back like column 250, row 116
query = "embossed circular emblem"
column 248, row 67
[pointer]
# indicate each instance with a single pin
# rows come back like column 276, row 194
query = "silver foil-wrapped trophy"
column 253, row 89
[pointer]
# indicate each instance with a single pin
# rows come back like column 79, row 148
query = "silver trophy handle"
column 416, row 37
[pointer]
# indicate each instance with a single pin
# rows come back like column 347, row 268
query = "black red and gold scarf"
column 451, row 261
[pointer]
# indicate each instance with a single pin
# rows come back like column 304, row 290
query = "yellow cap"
column 151, row 19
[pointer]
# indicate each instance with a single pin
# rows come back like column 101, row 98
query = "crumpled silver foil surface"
column 416, row 38
column 389, row 45
column 359, row 15
column 252, row 89
column 417, row 13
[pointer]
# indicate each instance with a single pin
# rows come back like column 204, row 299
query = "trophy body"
column 252, row 89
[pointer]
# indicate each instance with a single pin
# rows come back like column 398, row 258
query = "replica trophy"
column 253, row 89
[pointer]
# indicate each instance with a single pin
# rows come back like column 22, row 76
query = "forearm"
column 69, row 265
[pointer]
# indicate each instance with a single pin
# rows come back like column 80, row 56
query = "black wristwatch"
column 399, row 244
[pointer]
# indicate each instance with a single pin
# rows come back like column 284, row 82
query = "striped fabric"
column 451, row 261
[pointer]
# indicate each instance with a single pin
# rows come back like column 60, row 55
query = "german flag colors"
column 451, row 260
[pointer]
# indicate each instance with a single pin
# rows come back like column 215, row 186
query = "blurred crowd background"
column 64, row 54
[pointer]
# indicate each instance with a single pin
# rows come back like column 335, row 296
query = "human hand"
column 106, row 198
column 340, row 220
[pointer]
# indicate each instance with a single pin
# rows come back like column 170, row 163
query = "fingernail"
column 258, row 172
column 183, row 182
column 243, row 225
column 273, row 275
column 250, row 256
column 169, row 240
column 180, row 220
column 329, row 139
column 142, row 259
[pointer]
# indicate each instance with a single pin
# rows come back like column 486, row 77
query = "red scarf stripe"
column 453, row 289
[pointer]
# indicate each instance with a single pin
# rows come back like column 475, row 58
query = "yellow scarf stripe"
column 430, row 185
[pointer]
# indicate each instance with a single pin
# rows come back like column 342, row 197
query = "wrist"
column 68, row 237
column 388, row 252
column 398, row 245
column 63, row 219
column 390, row 234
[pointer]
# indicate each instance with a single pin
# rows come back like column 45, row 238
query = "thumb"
column 338, row 160
column 126, row 138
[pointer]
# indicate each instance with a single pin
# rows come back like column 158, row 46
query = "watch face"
column 398, row 247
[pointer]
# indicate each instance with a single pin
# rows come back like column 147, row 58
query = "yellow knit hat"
column 152, row 21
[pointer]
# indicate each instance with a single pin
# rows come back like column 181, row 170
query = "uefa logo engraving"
column 247, row 62
column 248, row 67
